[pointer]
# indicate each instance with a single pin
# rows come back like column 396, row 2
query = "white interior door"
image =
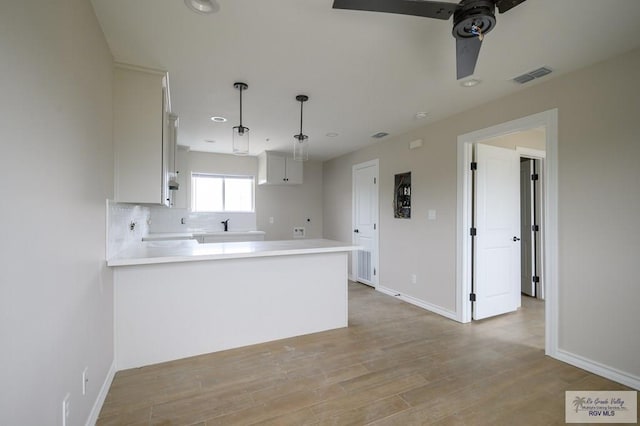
column 497, row 247
column 527, row 258
column 365, row 219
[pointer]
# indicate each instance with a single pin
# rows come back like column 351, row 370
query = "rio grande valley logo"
column 601, row 407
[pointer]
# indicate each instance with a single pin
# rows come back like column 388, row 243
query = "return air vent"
column 380, row 135
column 531, row 75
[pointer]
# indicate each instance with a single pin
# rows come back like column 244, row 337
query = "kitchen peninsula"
column 178, row 300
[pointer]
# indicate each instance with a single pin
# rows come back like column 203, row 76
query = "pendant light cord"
column 241, row 109
column 301, row 106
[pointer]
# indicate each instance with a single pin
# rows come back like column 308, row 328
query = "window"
column 220, row 193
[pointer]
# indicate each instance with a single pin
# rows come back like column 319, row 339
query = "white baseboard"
column 598, row 368
column 418, row 302
column 102, row 395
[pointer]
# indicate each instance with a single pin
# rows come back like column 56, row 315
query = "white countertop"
column 231, row 233
column 150, row 252
column 160, row 236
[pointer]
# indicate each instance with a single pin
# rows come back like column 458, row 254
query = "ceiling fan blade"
column 467, row 50
column 427, row 9
column 506, row 5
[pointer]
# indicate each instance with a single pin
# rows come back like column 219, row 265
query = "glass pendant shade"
column 301, row 147
column 240, row 140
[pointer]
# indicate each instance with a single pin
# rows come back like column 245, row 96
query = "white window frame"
column 223, row 176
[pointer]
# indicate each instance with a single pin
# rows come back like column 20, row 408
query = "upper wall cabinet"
column 277, row 169
column 143, row 140
column 180, row 197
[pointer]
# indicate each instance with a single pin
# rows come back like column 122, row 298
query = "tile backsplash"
column 126, row 225
column 182, row 220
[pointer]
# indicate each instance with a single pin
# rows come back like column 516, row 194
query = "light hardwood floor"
column 395, row 364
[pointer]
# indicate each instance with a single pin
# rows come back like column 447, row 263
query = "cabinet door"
column 181, row 196
column 293, row 171
column 141, row 102
column 276, row 169
column 167, row 148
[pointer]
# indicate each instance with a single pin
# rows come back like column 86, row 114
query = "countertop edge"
column 225, row 256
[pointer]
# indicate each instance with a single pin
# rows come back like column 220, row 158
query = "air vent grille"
column 380, row 135
column 526, row 77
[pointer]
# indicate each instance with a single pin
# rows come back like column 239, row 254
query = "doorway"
column 548, row 121
column 507, row 205
column 532, row 223
column 365, row 222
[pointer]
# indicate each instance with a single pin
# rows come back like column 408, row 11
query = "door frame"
column 548, row 120
column 376, row 255
column 535, row 154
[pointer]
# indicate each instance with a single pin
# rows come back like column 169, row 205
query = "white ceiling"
column 364, row 72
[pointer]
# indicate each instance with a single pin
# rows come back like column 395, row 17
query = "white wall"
column 289, row 205
column 599, row 205
column 56, row 294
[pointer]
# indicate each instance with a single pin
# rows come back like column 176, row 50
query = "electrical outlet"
column 414, row 279
column 65, row 409
column 271, row 220
column 85, row 380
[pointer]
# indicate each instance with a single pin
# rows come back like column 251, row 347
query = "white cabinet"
column 277, row 169
column 142, row 136
column 180, row 197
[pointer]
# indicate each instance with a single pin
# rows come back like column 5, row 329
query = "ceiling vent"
column 380, row 135
column 531, row 75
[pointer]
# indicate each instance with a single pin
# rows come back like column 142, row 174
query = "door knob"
column 516, row 239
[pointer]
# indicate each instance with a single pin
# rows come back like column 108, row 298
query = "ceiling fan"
column 472, row 20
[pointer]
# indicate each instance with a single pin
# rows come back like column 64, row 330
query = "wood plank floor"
column 395, row 364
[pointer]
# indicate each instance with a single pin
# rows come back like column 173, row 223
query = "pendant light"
column 240, row 133
column 301, row 142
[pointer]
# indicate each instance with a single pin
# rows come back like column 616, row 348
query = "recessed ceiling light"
column 218, row 119
column 210, row 140
column 421, row 114
column 203, row 7
column 332, row 134
column 470, row 83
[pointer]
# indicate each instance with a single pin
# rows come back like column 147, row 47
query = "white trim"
column 549, row 120
column 102, row 396
column 463, row 248
column 599, row 369
column 376, row 243
column 418, row 302
column 531, row 152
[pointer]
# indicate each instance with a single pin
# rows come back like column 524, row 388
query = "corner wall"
column 56, row 293
column 599, row 203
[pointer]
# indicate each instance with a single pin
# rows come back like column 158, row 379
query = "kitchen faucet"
column 226, row 225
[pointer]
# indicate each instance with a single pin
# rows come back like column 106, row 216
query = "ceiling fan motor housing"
column 474, row 15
